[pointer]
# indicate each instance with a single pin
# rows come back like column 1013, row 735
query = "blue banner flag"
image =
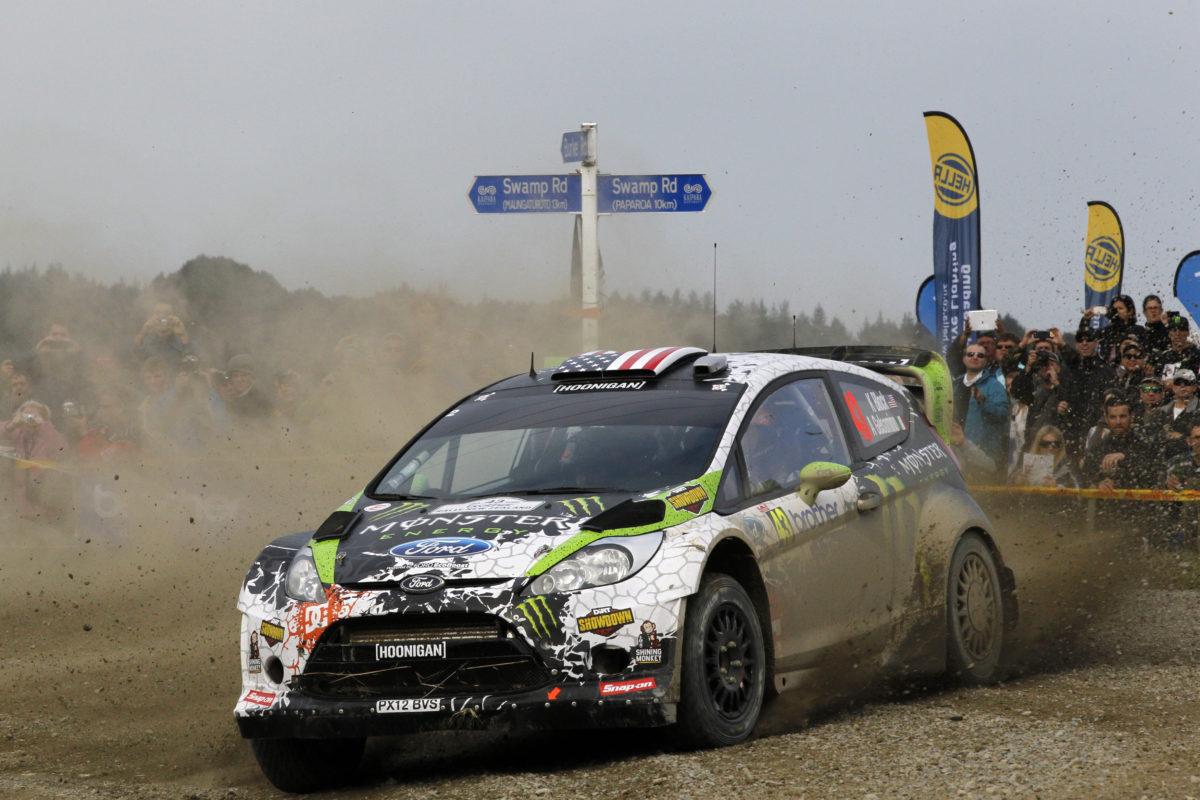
column 1103, row 259
column 1187, row 283
column 955, row 225
column 927, row 305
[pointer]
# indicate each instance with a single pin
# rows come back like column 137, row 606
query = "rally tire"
column 308, row 765
column 974, row 613
column 723, row 665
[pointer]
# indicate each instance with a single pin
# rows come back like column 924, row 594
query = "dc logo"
column 953, row 179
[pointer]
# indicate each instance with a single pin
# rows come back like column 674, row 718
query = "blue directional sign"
column 619, row 194
column 523, row 194
column 574, row 146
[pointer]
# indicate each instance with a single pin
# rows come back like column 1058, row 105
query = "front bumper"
column 624, row 701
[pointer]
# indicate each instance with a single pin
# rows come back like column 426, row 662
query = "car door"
column 821, row 566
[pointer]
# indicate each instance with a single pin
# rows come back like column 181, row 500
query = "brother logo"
column 444, row 547
column 421, row 584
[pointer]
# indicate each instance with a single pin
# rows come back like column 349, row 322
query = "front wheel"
column 723, row 665
column 974, row 613
column 307, row 765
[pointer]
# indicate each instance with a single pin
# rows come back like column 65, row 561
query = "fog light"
column 608, row 659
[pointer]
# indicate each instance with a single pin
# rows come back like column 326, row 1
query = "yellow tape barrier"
column 1146, row 495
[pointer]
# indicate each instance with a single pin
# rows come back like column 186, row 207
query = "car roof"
column 673, row 367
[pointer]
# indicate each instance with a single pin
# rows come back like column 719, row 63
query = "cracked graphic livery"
column 498, row 641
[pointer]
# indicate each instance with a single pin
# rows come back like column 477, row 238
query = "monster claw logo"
column 583, row 506
column 539, row 616
column 953, row 179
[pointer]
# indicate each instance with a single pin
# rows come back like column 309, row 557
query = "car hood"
column 484, row 539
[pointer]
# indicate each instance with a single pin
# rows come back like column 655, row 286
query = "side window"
column 792, row 427
column 878, row 413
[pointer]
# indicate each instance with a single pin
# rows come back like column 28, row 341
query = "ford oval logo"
column 421, row 584
column 444, row 547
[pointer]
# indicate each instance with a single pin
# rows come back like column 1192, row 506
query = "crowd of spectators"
column 1112, row 406
column 68, row 407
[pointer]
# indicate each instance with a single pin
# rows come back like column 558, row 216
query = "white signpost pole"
column 590, row 243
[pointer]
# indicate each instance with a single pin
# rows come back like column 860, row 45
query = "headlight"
column 303, row 582
column 599, row 564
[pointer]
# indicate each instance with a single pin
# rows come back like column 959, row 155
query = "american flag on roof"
column 654, row 360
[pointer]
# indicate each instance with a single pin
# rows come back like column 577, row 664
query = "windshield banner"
column 955, row 225
column 1103, row 259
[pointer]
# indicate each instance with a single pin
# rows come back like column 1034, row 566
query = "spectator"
column 247, row 404
column 1122, row 321
column 1183, row 474
column 1175, row 418
column 981, row 406
column 194, row 415
column 1090, row 376
column 1008, row 350
column 1018, row 414
column 976, row 466
column 156, row 381
column 1182, row 354
column 1156, row 327
column 1033, row 471
column 1134, row 368
column 56, row 368
column 18, row 393
column 987, row 339
column 1043, row 386
column 163, row 335
column 1118, row 458
column 113, row 435
column 287, row 401
column 39, row 488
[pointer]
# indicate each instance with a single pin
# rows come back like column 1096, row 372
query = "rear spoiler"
column 923, row 372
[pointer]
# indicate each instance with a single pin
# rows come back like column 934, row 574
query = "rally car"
column 661, row 537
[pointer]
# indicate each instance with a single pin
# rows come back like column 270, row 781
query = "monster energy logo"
column 583, row 506
column 539, row 616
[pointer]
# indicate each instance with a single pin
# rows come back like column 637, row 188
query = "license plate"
column 408, row 705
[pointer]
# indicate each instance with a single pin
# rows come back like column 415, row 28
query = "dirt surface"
column 120, row 667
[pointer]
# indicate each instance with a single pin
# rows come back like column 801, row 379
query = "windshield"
column 535, row 441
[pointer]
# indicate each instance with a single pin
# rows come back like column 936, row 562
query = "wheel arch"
column 733, row 557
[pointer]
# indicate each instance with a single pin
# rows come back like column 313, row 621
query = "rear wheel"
column 307, row 765
column 974, row 612
column 723, row 665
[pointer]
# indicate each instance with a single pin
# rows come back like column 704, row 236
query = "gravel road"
column 121, row 671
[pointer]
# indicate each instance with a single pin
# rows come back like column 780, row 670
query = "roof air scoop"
column 709, row 365
column 647, row 363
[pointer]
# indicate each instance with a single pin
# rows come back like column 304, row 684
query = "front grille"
column 420, row 656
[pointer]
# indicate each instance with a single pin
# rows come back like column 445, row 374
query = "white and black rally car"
column 651, row 538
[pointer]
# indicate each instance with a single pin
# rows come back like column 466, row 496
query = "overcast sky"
column 333, row 144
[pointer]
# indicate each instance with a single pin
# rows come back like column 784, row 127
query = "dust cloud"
column 118, row 618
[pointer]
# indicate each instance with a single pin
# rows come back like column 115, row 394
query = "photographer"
column 1122, row 321
column 163, row 335
column 1043, row 385
column 39, row 489
column 1156, row 324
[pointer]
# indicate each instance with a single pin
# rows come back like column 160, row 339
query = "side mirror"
column 819, row 476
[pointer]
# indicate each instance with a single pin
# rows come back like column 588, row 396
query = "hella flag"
column 955, row 225
column 1103, row 258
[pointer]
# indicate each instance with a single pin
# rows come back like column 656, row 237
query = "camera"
column 31, row 420
column 71, row 409
column 189, row 363
column 1041, row 336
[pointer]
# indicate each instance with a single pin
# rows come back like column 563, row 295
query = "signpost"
column 588, row 194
